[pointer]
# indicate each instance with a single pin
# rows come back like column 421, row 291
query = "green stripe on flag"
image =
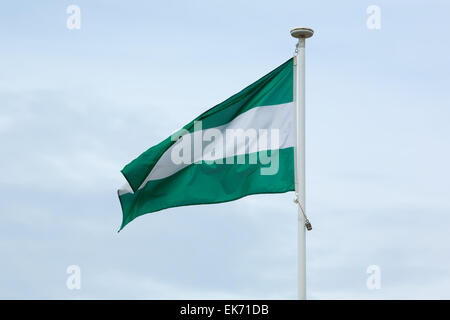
column 209, row 183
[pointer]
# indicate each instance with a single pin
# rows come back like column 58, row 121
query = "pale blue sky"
column 77, row 105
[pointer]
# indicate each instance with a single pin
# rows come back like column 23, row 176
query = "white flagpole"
column 299, row 97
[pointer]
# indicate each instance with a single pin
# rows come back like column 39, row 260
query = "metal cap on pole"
column 302, row 33
column 299, row 99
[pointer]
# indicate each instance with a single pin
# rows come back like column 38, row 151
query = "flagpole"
column 299, row 97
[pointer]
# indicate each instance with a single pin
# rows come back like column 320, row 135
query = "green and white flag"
column 242, row 146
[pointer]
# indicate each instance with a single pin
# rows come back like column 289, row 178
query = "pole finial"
column 302, row 33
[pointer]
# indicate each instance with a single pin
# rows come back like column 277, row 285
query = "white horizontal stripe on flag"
column 280, row 117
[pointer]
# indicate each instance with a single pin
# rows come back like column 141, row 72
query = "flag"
column 242, row 146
